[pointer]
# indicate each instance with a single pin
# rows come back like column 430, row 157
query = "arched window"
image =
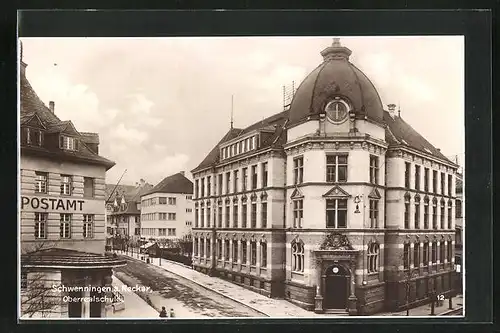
column 416, row 254
column 297, row 256
column 373, row 257
column 417, row 212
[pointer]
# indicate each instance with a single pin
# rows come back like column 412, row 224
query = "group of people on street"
column 163, row 313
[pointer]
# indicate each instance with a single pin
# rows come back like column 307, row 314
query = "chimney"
column 51, row 106
column 392, row 110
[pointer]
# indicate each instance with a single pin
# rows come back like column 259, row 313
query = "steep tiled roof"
column 31, row 104
column 177, row 183
column 130, row 192
column 399, row 132
column 90, row 137
column 273, row 123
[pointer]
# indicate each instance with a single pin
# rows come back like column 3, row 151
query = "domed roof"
column 336, row 77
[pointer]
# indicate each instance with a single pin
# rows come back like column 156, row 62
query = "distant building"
column 124, row 208
column 459, row 230
column 335, row 204
column 62, row 217
column 167, row 209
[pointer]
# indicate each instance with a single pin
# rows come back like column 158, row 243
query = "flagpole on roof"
column 114, row 189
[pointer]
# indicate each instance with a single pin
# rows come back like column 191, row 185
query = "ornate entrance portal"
column 336, row 292
column 336, row 263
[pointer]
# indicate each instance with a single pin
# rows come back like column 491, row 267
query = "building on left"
column 64, row 269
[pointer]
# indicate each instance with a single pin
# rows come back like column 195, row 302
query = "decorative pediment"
column 244, row 198
column 253, row 197
column 434, row 201
column 219, row 202
column 336, row 192
column 296, row 194
column 235, row 199
column 263, row 196
column 417, row 197
column 374, row 194
column 442, row 202
column 336, row 241
column 69, row 129
column 407, row 197
column 227, row 201
column 426, row 199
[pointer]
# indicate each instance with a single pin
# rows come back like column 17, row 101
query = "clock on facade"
column 336, row 111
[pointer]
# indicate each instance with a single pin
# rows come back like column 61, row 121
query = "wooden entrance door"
column 336, row 288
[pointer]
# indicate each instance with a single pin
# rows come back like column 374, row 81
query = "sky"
column 161, row 104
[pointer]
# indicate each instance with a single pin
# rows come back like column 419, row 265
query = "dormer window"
column 32, row 136
column 68, row 143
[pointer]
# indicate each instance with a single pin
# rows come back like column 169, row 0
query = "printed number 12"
column 440, row 297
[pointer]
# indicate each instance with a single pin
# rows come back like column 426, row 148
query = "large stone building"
column 62, row 223
column 167, row 209
column 459, row 231
column 335, row 204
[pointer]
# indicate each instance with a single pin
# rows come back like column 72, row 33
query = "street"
column 187, row 299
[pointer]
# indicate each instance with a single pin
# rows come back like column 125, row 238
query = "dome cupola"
column 336, row 87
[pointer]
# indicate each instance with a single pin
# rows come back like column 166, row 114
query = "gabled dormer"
column 32, row 131
column 64, row 135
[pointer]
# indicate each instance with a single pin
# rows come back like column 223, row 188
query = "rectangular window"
column 162, row 200
column 235, row 215
column 417, row 177
column 40, row 225
column 426, row 179
column 189, row 210
column 253, row 215
column 235, row 250
column 66, row 185
column 426, row 216
column 202, row 217
column 209, row 250
column 243, row 215
column 442, row 253
column 228, row 214
column 407, row 215
column 208, row 216
column 434, row 181
column 264, row 174
column 172, row 201
column 442, row 216
column 88, row 226
column 41, row 182
column 235, row 183
column 202, row 189
column 254, row 177
column 219, row 249
column 442, row 183
column 336, row 168
column 196, row 218
column 209, row 185
column 458, row 208
column 425, row 255
column 417, row 215
column 253, row 253
column 226, row 250
column 336, row 213
column 406, row 256
column 202, row 247
column 88, row 187
column 434, row 217
column 450, row 183
column 220, row 216
column 68, row 143
column 220, row 184
column 228, row 182
column 298, row 170
column 449, row 251
column 264, row 214
column 373, row 213
column 407, row 175
column 65, row 226
column 434, row 252
column 373, row 169
column 244, row 253
column 196, row 189
column 416, row 255
column 298, row 213
column 195, row 247
column 245, row 176
column 263, row 255
column 449, row 217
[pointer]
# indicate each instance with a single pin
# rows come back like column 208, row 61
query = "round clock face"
column 335, row 270
column 336, row 111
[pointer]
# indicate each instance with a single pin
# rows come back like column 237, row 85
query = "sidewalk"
column 267, row 306
column 273, row 307
column 135, row 307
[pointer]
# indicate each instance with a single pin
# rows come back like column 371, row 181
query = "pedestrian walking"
column 163, row 312
column 172, row 314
